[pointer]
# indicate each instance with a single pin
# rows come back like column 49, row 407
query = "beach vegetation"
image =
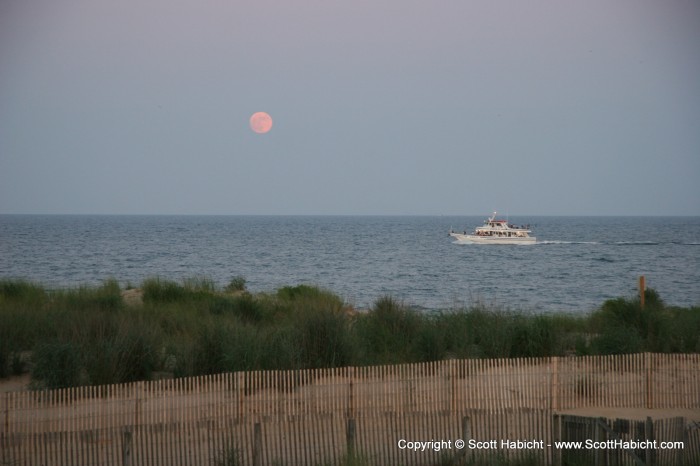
column 230, row 456
column 236, row 285
column 92, row 335
column 388, row 333
column 57, row 365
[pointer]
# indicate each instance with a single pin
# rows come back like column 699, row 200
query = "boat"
column 496, row 231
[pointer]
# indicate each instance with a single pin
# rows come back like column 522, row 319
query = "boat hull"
column 492, row 239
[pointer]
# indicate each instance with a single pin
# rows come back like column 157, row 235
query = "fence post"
column 555, row 384
column 600, row 434
column 257, row 444
column 138, row 388
column 351, row 394
column 453, row 385
column 466, row 436
column 650, row 457
column 350, row 431
column 556, row 437
column 127, row 437
column 648, row 381
column 7, row 413
column 5, row 434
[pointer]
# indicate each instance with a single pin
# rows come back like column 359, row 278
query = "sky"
column 380, row 107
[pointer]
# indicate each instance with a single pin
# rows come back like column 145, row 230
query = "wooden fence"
column 314, row 417
column 670, row 441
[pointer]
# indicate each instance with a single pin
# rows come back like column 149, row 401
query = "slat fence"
column 303, row 416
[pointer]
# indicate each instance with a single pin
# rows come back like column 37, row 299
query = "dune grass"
column 90, row 336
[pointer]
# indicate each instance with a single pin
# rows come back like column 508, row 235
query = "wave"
column 636, row 243
column 604, row 259
column 567, row 242
column 616, row 243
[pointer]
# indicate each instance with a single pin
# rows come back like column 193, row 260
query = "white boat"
column 496, row 232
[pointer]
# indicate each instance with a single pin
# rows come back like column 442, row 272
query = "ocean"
column 577, row 263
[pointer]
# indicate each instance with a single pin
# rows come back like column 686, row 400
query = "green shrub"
column 247, row 308
column 88, row 335
column 277, row 348
column 21, row 290
column 106, row 297
column 389, row 332
column 430, row 343
column 128, row 354
column 534, row 336
column 18, row 365
column 629, row 313
column 237, row 284
column 323, row 338
column 491, row 332
column 210, row 351
column 57, row 365
column 156, row 290
column 638, row 328
column 307, row 294
column 455, row 332
column 684, row 330
column 4, row 358
column 617, row 339
column 200, row 285
column 219, row 305
column 245, row 350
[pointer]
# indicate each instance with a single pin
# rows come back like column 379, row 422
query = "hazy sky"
column 581, row 107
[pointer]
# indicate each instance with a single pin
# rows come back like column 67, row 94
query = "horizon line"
column 93, row 214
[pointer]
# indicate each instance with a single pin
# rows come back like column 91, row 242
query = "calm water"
column 577, row 264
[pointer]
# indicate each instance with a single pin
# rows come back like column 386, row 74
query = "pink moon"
column 261, row 122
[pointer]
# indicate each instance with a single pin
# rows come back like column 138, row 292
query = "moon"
column 260, row 122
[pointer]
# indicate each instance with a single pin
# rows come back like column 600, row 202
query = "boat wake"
column 636, row 243
column 613, row 243
column 567, row 242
